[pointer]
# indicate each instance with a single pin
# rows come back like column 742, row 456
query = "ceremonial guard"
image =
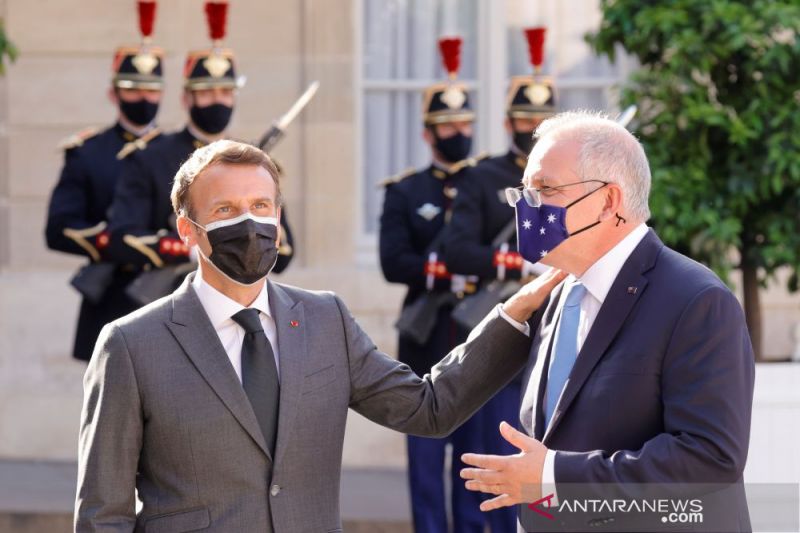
column 77, row 215
column 415, row 213
column 142, row 221
column 481, row 238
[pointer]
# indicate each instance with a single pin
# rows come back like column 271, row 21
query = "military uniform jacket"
column 414, row 212
column 76, row 223
column 142, row 208
column 480, row 212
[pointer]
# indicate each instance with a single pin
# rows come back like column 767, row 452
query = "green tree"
column 7, row 49
column 719, row 113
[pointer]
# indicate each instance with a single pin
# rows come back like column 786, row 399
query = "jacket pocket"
column 319, row 378
column 191, row 520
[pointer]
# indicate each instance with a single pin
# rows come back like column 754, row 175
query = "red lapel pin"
column 294, row 323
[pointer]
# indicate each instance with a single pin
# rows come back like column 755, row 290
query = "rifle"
column 276, row 131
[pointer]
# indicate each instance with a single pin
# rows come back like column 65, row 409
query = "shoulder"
column 317, row 301
column 684, row 282
column 397, row 178
column 470, row 162
column 77, row 140
column 145, row 321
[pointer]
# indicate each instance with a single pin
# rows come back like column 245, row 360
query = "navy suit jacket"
column 661, row 391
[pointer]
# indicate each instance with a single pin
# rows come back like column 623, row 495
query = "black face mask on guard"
column 454, row 148
column 140, row 113
column 244, row 249
column 211, row 119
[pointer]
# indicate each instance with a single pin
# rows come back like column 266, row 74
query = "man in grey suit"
column 640, row 378
column 224, row 404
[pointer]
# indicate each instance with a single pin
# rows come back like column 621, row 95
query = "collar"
column 219, row 307
column 130, row 134
column 601, row 275
column 517, row 157
column 198, row 139
column 440, row 170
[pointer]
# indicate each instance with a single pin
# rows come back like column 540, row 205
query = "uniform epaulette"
column 468, row 162
column 397, row 177
column 77, row 139
column 138, row 144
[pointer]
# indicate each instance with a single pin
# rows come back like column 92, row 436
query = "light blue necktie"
column 565, row 350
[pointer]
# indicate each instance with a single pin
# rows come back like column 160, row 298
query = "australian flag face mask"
column 540, row 229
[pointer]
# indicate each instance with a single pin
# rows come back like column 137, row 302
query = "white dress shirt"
column 598, row 280
column 220, row 309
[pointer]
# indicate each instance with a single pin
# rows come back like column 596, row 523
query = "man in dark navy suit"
column 641, row 369
column 78, row 212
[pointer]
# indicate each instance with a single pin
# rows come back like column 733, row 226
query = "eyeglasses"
column 533, row 195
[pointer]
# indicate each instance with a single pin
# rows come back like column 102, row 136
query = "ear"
column 112, row 96
column 186, row 230
column 186, row 99
column 613, row 201
column 280, row 228
column 509, row 126
column 428, row 136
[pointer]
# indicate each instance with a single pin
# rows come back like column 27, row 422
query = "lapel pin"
column 294, row 323
column 632, row 290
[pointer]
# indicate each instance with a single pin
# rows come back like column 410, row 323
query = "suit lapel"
column 622, row 297
column 193, row 330
column 291, row 326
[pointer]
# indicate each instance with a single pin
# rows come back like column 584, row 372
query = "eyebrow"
column 263, row 199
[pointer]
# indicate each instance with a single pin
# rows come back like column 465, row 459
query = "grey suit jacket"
column 165, row 412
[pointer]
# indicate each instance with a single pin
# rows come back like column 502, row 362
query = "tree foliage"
column 719, row 113
column 7, row 49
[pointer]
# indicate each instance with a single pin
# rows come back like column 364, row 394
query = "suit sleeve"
column 133, row 240
column 69, row 207
column 707, row 393
column 464, row 252
column 389, row 393
column 400, row 262
column 110, row 439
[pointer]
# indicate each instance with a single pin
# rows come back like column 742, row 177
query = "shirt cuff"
column 549, row 477
column 522, row 327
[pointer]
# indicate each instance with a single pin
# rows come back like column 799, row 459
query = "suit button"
column 275, row 490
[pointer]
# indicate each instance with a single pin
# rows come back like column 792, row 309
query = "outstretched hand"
column 513, row 479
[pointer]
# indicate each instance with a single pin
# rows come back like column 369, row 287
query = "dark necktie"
column 260, row 374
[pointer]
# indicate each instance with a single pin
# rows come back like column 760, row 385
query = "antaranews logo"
column 670, row 511
column 541, row 501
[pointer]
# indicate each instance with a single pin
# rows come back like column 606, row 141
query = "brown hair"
column 218, row 153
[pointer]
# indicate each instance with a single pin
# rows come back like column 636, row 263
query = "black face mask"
column 244, row 248
column 524, row 141
column 453, row 148
column 211, row 119
column 140, row 113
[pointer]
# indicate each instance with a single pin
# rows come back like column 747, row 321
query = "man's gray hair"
column 607, row 152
